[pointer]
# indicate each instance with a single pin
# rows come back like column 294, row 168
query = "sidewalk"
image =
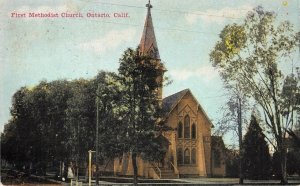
column 235, row 181
column 199, row 181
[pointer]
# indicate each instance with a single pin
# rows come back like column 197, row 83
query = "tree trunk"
column 135, row 169
column 283, row 155
column 241, row 176
column 97, row 174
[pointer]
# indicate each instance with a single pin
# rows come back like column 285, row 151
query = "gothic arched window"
column 187, row 126
column 179, row 130
column 194, row 155
column 179, row 156
column 193, row 131
column 186, row 156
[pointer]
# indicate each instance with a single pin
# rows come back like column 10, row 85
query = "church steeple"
column 148, row 45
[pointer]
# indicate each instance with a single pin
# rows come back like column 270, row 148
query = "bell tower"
column 148, row 46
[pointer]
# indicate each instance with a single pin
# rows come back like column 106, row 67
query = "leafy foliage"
column 249, row 56
column 256, row 157
column 50, row 122
column 80, row 119
column 56, row 121
column 140, row 76
column 111, row 129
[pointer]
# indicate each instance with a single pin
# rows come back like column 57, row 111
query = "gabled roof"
column 148, row 45
column 170, row 102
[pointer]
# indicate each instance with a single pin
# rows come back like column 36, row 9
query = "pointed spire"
column 148, row 43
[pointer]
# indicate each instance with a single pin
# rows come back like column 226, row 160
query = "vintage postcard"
column 114, row 91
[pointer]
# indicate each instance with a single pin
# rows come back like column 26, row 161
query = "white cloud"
column 68, row 7
column 218, row 16
column 110, row 41
column 42, row 9
column 206, row 73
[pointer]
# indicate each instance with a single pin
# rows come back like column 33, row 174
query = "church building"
column 192, row 151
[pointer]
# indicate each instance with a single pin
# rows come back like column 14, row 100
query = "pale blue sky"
column 35, row 49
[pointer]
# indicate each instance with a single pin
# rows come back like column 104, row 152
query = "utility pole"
column 241, row 180
column 90, row 167
column 97, row 138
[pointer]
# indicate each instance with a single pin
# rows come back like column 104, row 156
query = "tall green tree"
column 138, row 76
column 28, row 127
column 17, row 130
column 15, row 145
column 256, row 157
column 59, row 92
column 250, row 56
column 111, row 130
column 81, row 120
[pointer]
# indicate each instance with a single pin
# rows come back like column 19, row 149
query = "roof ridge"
column 187, row 89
